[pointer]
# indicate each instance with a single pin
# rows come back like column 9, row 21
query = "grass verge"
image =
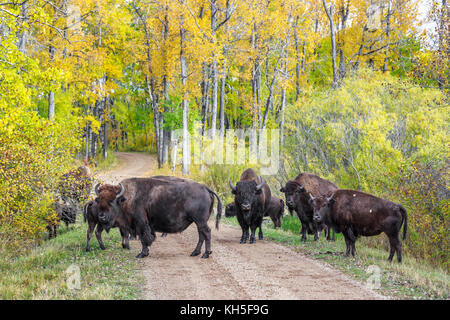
column 42, row 272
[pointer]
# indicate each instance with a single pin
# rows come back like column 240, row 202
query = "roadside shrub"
column 34, row 153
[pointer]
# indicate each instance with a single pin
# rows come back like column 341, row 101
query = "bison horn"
column 311, row 196
column 259, row 186
column 96, row 188
column 122, row 191
column 232, row 187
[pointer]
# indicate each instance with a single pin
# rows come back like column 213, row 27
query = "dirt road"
column 264, row 270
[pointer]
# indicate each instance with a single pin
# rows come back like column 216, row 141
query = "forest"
column 358, row 89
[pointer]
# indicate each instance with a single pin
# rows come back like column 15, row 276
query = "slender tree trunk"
column 329, row 12
column 388, row 31
column 184, row 103
column 297, row 61
column 51, row 105
column 214, row 72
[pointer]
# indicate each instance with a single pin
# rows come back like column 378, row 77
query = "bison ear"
column 300, row 188
column 97, row 200
column 258, row 191
column 283, row 189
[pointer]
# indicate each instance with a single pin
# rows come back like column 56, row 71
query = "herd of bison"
column 140, row 207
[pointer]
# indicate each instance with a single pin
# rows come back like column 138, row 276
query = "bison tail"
column 405, row 221
column 219, row 207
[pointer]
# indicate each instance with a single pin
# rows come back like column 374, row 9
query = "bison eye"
column 97, row 200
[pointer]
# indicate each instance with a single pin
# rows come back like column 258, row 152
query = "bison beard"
column 163, row 204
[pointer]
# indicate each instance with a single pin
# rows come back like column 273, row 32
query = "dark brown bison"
column 75, row 186
column 90, row 214
column 143, row 206
column 252, row 198
column 356, row 213
column 297, row 193
column 275, row 211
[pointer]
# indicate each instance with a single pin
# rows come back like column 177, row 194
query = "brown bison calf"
column 356, row 213
column 90, row 214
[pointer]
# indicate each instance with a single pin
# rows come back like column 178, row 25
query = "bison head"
column 108, row 201
column 230, row 210
column 246, row 193
column 321, row 207
column 292, row 192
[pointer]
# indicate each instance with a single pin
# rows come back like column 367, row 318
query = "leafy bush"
column 386, row 137
column 34, row 152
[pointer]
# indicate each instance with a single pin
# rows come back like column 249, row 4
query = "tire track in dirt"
column 264, row 270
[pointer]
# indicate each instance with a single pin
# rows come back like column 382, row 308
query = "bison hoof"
column 126, row 247
column 206, row 254
column 142, row 255
column 88, row 249
column 261, row 237
column 195, row 253
column 252, row 240
column 243, row 241
column 103, row 247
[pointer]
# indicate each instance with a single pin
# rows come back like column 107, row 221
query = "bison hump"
column 249, row 174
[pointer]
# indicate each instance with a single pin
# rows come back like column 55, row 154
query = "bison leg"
column 348, row 245
column 303, row 232
column 147, row 237
column 353, row 249
column 163, row 235
column 244, row 237
column 91, row 228
column 396, row 246
column 260, row 234
column 98, row 235
column 125, row 243
column 333, row 238
column 252, row 236
column 201, row 239
column 207, row 236
column 316, row 235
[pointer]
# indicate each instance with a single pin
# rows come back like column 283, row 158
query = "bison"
column 355, row 213
column 297, row 193
column 90, row 214
column 75, row 186
column 252, row 199
column 275, row 211
column 143, row 206
column 65, row 213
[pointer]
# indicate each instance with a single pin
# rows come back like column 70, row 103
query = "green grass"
column 110, row 162
column 412, row 279
column 41, row 272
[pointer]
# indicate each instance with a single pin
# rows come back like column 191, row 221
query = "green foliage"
column 33, row 151
column 368, row 134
